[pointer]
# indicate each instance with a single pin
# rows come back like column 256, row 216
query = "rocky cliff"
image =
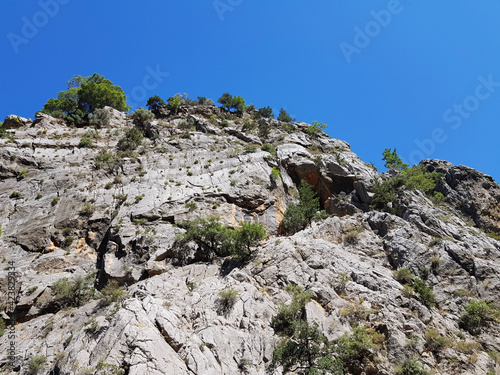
column 71, row 208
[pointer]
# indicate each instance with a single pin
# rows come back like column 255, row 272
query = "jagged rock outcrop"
column 62, row 217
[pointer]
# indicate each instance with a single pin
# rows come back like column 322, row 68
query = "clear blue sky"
column 381, row 74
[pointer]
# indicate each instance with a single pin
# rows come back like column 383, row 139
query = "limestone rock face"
column 67, row 211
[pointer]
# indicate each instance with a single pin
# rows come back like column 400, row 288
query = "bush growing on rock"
column 411, row 367
column 478, row 314
column 112, row 293
column 174, row 103
column 214, row 239
column 297, row 217
column 100, row 117
column 131, row 140
column 315, row 129
column 36, row 364
column 156, row 105
column 106, row 160
column 84, row 96
column 284, row 116
column 227, row 299
column 142, row 116
column 414, row 178
column 85, row 143
column 392, row 160
column 229, row 102
column 73, row 292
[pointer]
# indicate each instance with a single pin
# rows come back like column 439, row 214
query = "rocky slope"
column 62, row 217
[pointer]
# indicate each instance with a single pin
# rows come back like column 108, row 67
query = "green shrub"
column 264, row 130
column 174, row 103
column 275, row 175
column 436, row 342
column 414, row 178
column 16, row 195
column 142, row 116
column 227, row 299
column 36, row 364
column 212, row 238
column 404, row 276
column 156, row 104
column 353, row 348
column 112, row 293
column 315, row 129
column 191, row 206
column 73, row 292
column 85, row 143
column 284, row 116
column 229, row 102
column 250, row 149
column 248, row 236
column 269, row 148
column 87, row 209
column 411, row 367
column 297, row 217
column 106, row 160
column 478, row 314
column 132, row 139
column 21, row 175
column 100, row 117
column 204, row 101
column 425, row 292
column 282, row 322
column 84, row 96
column 392, row 160
column 265, row 112
column 55, row 200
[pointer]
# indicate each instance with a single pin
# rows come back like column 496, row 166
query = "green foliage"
column 36, row 364
column 315, row 129
column 142, row 116
column 264, row 112
column 393, row 161
column 248, row 236
column 112, row 293
column 404, row 275
column 269, row 148
column 284, row 116
column 2, row 327
column 87, row 209
column 307, row 352
column 132, row 139
column 229, row 102
column 297, row 217
column 425, row 292
column 55, row 201
column 436, row 342
column 478, row 314
column 227, row 299
column 73, row 292
column 173, row 104
column 84, row 96
column 214, row 239
column 411, row 367
column 282, row 322
column 264, row 130
column 250, row 149
column 275, row 175
column 21, row 175
column 414, row 178
column 156, row 104
column 16, row 195
column 352, row 348
column 100, row 117
column 85, row 143
column 204, row 101
column 108, row 161
column 226, row 100
column 494, row 235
